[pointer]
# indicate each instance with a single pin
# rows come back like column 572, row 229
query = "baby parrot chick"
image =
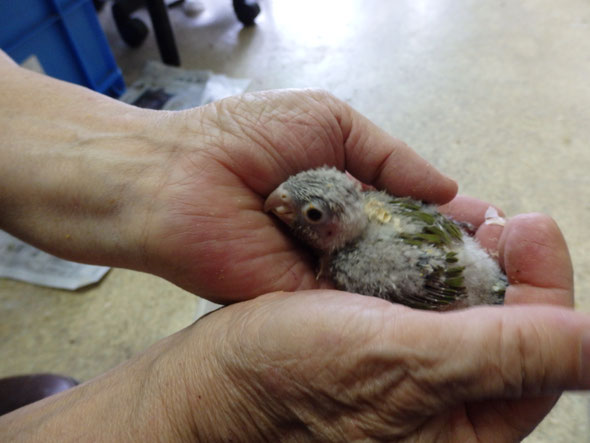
column 395, row 248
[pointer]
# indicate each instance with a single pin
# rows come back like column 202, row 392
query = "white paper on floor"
column 21, row 261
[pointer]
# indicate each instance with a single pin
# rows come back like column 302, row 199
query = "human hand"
column 206, row 230
column 180, row 194
column 327, row 366
column 333, row 366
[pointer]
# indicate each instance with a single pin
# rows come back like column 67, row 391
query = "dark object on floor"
column 133, row 31
column 246, row 11
column 19, row 391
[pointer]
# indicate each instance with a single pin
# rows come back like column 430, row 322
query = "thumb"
column 495, row 352
column 378, row 159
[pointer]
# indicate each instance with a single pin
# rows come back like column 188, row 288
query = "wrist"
column 224, row 400
column 213, row 408
column 77, row 170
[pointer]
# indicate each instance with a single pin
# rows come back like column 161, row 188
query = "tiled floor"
column 494, row 93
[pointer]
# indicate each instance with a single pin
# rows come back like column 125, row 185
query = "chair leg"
column 163, row 31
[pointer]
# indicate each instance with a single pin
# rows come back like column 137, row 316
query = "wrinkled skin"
column 208, row 232
column 180, row 194
column 331, row 366
column 323, row 365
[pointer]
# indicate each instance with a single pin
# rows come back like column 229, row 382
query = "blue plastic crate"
column 66, row 38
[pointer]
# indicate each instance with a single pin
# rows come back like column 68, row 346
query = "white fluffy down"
column 481, row 271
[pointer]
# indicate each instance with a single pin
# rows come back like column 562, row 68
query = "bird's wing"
column 441, row 286
column 444, row 283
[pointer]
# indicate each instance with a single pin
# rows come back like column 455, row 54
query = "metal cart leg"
column 163, row 31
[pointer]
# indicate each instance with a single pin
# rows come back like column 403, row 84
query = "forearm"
column 74, row 167
column 177, row 390
column 143, row 399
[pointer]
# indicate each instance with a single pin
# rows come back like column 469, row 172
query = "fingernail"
column 492, row 217
column 585, row 351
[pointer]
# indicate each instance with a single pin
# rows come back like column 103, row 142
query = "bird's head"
column 323, row 207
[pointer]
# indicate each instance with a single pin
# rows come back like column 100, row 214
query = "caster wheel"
column 133, row 31
column 246, row 11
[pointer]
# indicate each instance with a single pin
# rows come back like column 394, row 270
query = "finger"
column 466, row 209
column 378, row 159
column 269, row 136
column 473, row 211
column 488, row 237
column 536, row 260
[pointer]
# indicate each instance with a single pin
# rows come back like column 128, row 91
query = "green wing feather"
column 437, row 229
column 443, row 285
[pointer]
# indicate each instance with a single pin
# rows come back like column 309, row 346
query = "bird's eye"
column 313, row 215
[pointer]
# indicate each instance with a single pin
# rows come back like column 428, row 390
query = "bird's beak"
column 280, row 203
